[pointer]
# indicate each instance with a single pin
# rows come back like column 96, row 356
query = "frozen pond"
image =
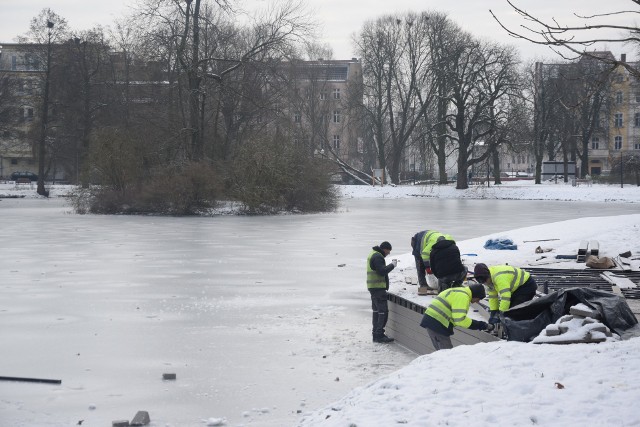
column 253, row 314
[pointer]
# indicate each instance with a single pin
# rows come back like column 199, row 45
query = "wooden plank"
column 31, row 380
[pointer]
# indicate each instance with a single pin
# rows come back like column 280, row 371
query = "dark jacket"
column 380, row 266
column 445, row 259
column 416, row 242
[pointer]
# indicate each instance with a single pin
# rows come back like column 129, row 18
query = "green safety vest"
column 505, row 279
column 429, row 239
column 374, row 280
column 451, row 306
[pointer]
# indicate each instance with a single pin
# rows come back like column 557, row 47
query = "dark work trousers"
column 380, row 311
column 439, row 341
column 452, row 281
column 524, row 293
column 420, row 268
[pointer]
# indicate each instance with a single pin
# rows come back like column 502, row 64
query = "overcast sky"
column 340, row 19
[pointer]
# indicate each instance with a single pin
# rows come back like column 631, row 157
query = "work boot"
column 383, row 339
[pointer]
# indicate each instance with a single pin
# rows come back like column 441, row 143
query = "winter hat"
column 385, row 245
column 477, row 291
column 481, row 272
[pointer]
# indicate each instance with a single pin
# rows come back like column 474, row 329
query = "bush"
column 270, row 176
column 190, row 190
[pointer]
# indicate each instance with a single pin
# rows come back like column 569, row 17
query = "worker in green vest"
column 378, row 284
column 427, row 240
column 508, row 286
column 450, row 309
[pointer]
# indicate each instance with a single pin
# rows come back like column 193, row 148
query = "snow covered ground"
column 264, row 319
column 509, row 383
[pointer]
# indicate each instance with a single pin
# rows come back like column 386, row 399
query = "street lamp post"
column 621, row 172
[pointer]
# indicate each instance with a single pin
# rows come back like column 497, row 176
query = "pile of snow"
column 500, row 384
column 571, row 328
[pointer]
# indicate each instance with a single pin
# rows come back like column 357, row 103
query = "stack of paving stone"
column 582, row 325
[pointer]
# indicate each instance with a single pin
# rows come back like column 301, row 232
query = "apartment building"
column 20, row 85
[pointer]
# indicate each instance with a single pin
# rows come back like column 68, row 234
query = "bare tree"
column 481, row 74
column 576, row 39
column 46, row 30
column 399, row 82
column 202, row 54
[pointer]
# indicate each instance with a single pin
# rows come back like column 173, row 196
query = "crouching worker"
column 450, row 309
column 508, row 286
column 446, row 265
column 378, row 285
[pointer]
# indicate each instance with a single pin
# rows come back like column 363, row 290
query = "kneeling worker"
column 508, row 286
column 450, row 309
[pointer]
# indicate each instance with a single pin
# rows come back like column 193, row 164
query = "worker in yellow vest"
column 450, row 309
column 378, row 284
column 508, row 286
column 427, row 239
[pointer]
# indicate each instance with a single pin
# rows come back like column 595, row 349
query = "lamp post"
column 45, row 116
column 621, row 172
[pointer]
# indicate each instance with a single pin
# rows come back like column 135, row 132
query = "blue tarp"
column 500, row 244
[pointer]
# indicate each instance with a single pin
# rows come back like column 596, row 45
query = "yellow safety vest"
column 429, row 239
column 374, row 280
column 451, row 306
column 505, row 279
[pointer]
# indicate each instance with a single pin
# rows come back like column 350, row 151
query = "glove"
column 494, row 319
column 482, row 326
column 428, row 270
column 394, row 262
column 490, row 328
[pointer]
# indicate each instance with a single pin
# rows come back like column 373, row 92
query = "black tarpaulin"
column 526, row 321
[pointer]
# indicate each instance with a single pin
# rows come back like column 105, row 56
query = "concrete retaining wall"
column 404, row 326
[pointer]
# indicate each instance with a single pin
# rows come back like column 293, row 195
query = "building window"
column 636, row 118
column 618, row 97
column 297, row 117
column 323, row 95
column 6, row 134
column 595, row 143
column 637, row 97
column 336, row 116
column 14, row 63
column 636, row 146
column 28, row 114
column 336, row 142
column 617, row 120
column 617, row 143
column 360, row 145
column 336, row 94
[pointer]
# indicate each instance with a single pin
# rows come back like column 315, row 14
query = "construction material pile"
column 582, row 325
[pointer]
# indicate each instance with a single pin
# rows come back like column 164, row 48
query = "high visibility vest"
column 429, row 239
column 505, row 279
column 374, row 280
column 451, row 306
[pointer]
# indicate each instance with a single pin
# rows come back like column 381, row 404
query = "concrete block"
column 168, row 376
column 120, row 423
column 588, row 320
column 141, row 419
column 576, row 311
column 600, row 328
column 563, row 329
column 552, row 330
column 566, row 318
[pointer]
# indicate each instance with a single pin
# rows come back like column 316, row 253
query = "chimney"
column 623, row 57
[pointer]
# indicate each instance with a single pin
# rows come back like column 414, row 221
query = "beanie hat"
column 385, row 245
column 481, row 272
column 477, row 291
